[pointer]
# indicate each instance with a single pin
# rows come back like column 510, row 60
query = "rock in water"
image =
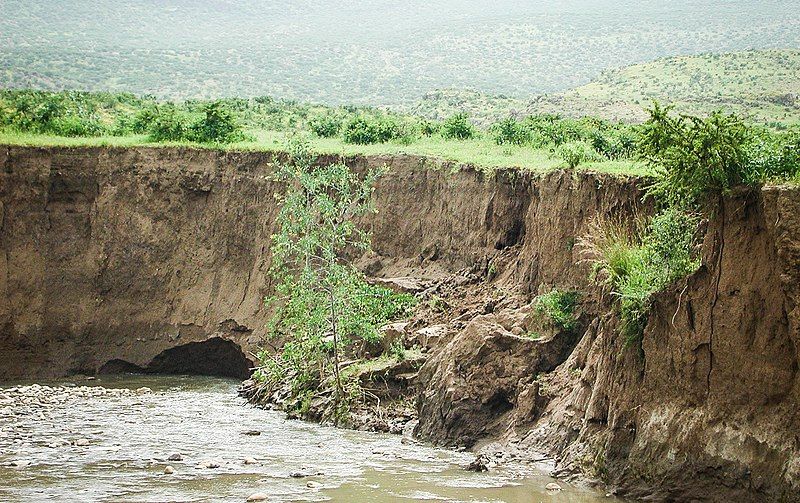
column 553, row 487
column 258, row 497
column 250, row 461
column 208, row 463
column 82, row 442
column 479, row 464
column 175, row 457
column 168, row 470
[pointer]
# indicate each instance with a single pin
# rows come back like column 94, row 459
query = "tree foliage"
column 322, row 304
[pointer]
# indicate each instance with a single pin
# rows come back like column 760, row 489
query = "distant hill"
column 374, row 52
column 762, row 86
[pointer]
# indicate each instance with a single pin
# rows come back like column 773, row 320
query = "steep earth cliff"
column 156, row 259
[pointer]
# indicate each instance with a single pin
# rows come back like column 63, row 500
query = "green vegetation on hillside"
column 760, row 86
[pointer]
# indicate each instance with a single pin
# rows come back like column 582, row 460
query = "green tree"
column 458, row 127
column 322, row 303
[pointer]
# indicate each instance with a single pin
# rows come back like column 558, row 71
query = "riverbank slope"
column 117, row 259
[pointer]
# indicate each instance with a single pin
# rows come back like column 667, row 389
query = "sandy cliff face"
column 114, row 259
column 116, row 255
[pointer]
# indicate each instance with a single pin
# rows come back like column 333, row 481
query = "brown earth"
column 156, row 259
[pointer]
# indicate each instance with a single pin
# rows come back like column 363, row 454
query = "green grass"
column 481, row 152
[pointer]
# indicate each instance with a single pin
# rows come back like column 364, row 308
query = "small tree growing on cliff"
column 321, row 302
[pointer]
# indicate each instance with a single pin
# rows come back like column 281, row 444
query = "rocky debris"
column 432, row 337
column 393, row 334
column 175, row 457
column 250, row 461
column 169, row 470
column 474, row 385
column 36, row 394
column 313, row 485
column 258, row 497
column 402, row 285
column 81, row 442
column 479, row 464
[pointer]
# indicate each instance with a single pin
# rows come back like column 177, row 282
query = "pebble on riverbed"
column 168, row 470
column 208, row 463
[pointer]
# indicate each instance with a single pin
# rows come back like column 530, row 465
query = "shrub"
column 169, row 125
column 614, row 143
column 363, row 130
column 559, row 306
column 637, row 262
column 510, row 132
column 429, row 128
column 72, row 125
column 695, row 159
column 218, row 125
column 325, row 126
column 575, row 153
column 775, row 156
column 458, row 127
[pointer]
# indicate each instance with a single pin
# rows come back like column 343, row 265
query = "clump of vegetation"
column 363, row 130
column 326, row 125
column 322, row 305
column 698, row 160
column 457, row 127
column 169, row 124
column 559, row 306
column 218, row 124
column 637, row 260
column 510, row 132
column 575, row 153
column 63, row 114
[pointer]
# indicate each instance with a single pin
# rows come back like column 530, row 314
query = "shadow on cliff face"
column 214, row 357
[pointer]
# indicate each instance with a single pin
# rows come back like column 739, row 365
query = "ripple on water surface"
column 109, row 442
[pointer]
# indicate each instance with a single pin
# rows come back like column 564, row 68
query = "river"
column 103, row 441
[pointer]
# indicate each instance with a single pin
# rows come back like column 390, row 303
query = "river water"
column 124, row 440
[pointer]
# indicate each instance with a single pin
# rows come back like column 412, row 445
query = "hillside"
column 761, row 86
column 373, row 52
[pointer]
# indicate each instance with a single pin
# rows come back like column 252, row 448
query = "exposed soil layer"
column 157, row 259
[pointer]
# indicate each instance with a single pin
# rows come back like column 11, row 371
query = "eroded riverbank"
column 112, row 442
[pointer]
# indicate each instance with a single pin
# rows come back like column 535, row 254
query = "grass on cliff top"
column 482, row 152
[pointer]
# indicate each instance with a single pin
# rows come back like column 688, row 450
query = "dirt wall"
column 135, row 258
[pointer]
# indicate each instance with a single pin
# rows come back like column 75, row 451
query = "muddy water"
column 129, row 436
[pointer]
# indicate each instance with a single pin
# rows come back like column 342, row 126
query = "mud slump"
column 110, row 442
